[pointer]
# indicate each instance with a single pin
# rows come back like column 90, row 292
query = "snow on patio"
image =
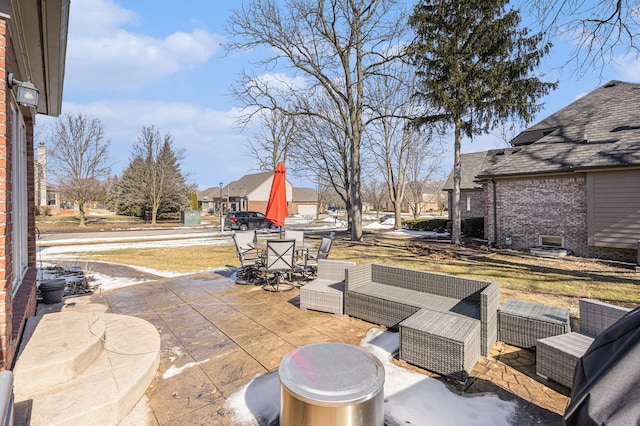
column 410, row 397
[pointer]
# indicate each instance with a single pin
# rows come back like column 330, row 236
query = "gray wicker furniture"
column 389, row 295
column 326, row 292
column 522, row 323
column 444, row 343
column 557, row 356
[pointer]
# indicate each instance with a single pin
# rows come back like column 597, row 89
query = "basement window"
column 551, row 241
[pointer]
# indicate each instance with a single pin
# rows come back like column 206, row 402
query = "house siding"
column 614, row 209
column 528, row 208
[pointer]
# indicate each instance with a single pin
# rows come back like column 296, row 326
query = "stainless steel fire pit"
column 331, row 384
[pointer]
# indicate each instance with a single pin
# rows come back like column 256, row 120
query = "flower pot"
column 52, row 290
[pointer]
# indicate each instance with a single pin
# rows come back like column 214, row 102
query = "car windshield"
column 260, row 215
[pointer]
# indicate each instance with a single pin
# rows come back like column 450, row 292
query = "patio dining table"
column 301, row 248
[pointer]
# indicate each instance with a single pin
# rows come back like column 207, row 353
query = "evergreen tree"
column 152, row 186
column 475, row 66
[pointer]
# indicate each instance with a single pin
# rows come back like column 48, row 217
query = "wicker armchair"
column 557, row 356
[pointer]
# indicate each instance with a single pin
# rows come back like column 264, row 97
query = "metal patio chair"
column 279, row 265
column 250, row 260
column 310, row 264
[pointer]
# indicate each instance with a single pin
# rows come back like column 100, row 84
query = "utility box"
column 190, row 217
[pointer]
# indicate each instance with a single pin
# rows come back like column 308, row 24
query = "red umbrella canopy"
column 277, row 205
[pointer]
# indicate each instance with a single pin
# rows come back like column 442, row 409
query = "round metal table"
column 331, row 384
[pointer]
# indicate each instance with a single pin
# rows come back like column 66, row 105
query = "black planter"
column 52, row 291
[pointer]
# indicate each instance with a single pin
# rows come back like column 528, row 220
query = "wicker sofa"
column 446, row 323
column 557, row 356
column 325, row 293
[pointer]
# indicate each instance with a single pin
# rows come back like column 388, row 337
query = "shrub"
column 473, row 227
column 425, row 224
column 43, row 210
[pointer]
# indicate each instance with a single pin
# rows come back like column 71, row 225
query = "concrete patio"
column 216, row 336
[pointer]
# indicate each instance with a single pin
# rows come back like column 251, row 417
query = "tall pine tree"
column 475, row 66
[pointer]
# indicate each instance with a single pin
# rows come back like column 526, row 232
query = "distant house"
column 251, row 192
column 472, row 197
column 304, row 202
column 572, row 180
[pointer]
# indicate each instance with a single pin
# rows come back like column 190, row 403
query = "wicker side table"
column 447, row 344
column 523, row 323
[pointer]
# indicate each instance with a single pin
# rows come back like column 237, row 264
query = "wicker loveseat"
column 446, row 323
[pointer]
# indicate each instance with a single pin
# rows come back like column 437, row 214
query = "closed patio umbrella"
column 277, row 205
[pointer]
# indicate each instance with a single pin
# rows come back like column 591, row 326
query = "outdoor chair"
column 279, row 265
column 310, row 264
column 250, row 260
column 299, row 237
column 557, row 356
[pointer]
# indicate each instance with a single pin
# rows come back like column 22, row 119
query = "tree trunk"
column 81, row 211
column 455, row 209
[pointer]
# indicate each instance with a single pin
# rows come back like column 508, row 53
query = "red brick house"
column 33, row 41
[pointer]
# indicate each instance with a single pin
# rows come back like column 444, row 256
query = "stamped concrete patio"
column 216, row 336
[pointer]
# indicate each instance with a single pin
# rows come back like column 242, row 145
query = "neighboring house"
column 251, row 192
column 472, row 197
column 33, row 41
column 572, row 180
column 46, row 197
column 304, row 202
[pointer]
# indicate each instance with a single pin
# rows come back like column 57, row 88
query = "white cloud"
column 279, row 82
column 103, row 55
column 214, row 148
column 628, row 66
column 98, row 17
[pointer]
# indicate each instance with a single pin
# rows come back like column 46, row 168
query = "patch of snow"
column 410, row 397
column 258, row 402
column 378, row 225
column 174, row 371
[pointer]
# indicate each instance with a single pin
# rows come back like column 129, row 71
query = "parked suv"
column 246, row 220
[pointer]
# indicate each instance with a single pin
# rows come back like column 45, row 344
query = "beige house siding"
column 614, row 209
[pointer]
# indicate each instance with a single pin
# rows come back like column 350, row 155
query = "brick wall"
column 14, row 309
column 557, row 206
column 5, row 208
column 477, row 200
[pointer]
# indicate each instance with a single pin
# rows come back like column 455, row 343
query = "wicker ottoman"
column 444, row 343
column 523, row 323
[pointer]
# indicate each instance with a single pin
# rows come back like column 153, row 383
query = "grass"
column 556, row 282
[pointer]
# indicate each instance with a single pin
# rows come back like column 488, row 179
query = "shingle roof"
column 474, row 163
column 304, row 194
column 599, row 130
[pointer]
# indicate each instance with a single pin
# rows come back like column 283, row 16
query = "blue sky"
column 134, row 63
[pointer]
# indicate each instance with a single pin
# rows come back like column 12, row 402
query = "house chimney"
column 585, row 138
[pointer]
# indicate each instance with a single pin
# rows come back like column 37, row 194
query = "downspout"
column 495, row 214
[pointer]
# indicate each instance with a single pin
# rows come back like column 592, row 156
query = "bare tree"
column 421, row 169
column 333, row 46
column 600, row 30
column 81, row 162
column 394, row 142
column 374, row 192
column 155, row 170
column 271, row 144
column 321, row 155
